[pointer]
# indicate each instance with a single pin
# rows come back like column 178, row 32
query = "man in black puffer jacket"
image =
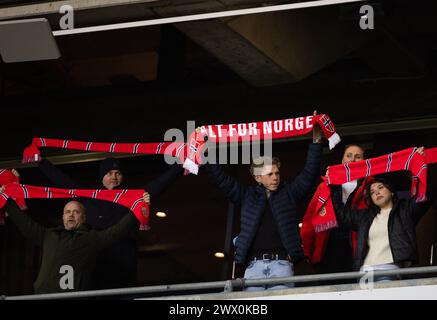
column 269, row 240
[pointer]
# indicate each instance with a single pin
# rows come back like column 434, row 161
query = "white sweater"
column 379, row 245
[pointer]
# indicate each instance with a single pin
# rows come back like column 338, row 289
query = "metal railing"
column 225, row 286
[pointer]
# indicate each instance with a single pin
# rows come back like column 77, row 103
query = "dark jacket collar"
column 261, row 189
column 83, row 228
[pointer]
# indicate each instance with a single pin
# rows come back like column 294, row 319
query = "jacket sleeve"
column 56, row 176
column 346, row 216
column 158, row 185
column 228, row 185
column 29, row 228
column 307, row 178
column 113, row 234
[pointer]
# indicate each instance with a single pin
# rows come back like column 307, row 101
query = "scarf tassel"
column 31, row 154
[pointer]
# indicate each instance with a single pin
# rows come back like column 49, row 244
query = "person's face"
column 74, row 215
column 270, row 177
column 352, row 154
column 381, row 195
column 112, row 179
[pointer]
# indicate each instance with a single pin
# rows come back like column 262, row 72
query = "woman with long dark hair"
column 386, row 235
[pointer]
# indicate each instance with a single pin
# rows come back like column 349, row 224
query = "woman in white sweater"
column 386, row 235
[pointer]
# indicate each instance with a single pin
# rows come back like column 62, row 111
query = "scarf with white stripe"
column 32, row 152
column 256, row 131
column 131, row 199
column 7, row 177
column 190, row 153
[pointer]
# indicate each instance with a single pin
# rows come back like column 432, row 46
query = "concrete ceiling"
column 263, row 49
column 318, row 57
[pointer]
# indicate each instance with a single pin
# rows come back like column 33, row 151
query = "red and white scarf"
column 407, row 159
column 272, row 129
column 7, row 177
column 257, row 131
column 190, row 153
column 131, row 199
column 32, row 152
column 315, row 241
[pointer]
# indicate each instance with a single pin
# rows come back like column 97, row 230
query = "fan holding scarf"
column 117, row 263
column 268, row 244
column 386, row 237
column 332, row 250
column 69, row 250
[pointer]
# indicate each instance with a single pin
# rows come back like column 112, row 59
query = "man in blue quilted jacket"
column 269, row 242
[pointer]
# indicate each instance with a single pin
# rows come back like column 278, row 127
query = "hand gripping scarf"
column 7, row 177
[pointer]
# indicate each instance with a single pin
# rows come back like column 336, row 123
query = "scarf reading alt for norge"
column 190, row 153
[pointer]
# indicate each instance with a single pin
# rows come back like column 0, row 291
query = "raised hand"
column 146, row 197
column 15, row 172
column 317, row 131
column 421, row 150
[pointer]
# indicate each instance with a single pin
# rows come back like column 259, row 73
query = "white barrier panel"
column 395, row 293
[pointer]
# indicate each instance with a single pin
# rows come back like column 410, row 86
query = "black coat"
column 74, row 248
column 117, row 264
column 283, row 203
column 401, row 226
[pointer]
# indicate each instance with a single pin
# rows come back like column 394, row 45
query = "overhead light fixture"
column 32, row 39
column 161, row 214
column 204, row 16
column 27, row 40
column 300, row 225
column 220, row 255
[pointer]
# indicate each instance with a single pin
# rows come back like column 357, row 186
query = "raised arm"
column 346, row 216
column 56, row 176
column 115, row 233
column 29, row 228
column 158, row 185
column 308, row 177
column 228, row 185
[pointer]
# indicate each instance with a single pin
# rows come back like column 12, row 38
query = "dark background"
column 132, row 85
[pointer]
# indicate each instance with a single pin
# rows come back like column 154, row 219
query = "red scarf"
column 256, row 131
column 407, row 159
column 7, row 177
column 190, row 153
column 131, row 199
column 314, row 242
column 32, row 152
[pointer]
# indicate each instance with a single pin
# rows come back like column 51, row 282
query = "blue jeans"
column 379, row 267
column 265, row 269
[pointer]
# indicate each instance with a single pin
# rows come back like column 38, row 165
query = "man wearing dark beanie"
column 110, row 173
column 107, row 165
column 117, row 265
